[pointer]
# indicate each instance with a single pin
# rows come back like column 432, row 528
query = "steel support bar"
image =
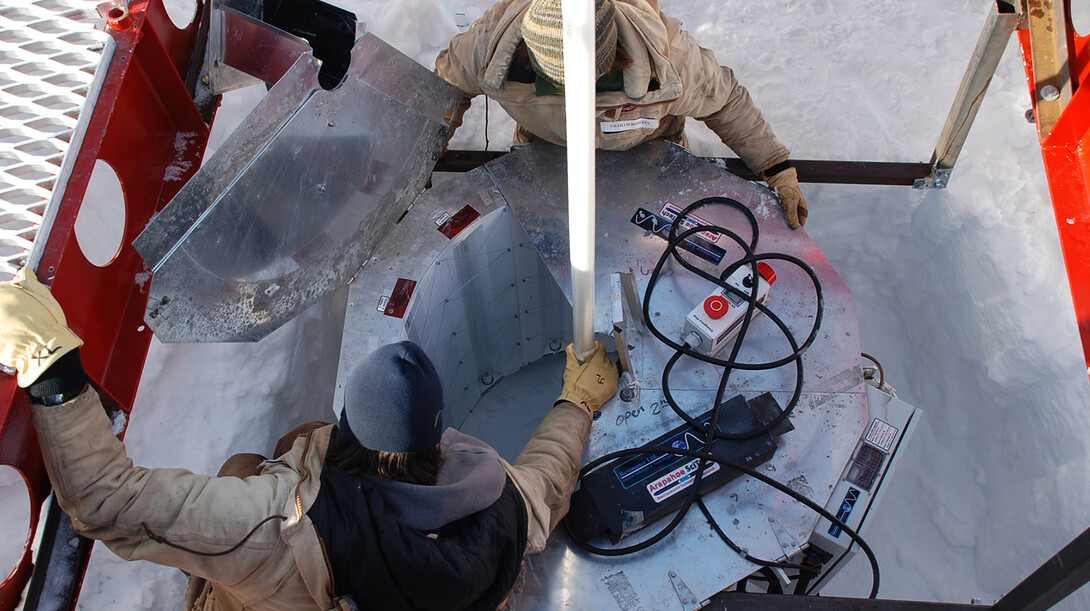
column 889, row 173
column 1049, row 31
column 1002, row 21
column 742, row 601
column 1061, row 576
column 815, row 171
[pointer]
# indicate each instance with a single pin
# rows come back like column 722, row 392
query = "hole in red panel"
column 1080, row 16
column 14, row 518
column 116, row 13
column 181, row 12
column 100, row 225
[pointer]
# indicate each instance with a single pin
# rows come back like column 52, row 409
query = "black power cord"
column 731, row 363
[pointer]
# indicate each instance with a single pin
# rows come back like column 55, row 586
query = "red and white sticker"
column 671, row 211
column 679, row 479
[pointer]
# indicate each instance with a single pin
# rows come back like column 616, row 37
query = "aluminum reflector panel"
column 290, row 207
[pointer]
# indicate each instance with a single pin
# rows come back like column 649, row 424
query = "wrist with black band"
column 61, row 382
column 776, row 169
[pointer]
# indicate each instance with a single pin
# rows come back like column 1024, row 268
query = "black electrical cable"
column 742, row 552
column 731, row 363
column 486, row 123
column 881, row 372
column 675, row 240
column 598, row 462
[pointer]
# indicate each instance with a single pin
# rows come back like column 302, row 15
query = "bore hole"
column 116, row 13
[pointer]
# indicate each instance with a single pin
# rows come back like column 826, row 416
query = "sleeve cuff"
column 776, row 169
column 64, row 379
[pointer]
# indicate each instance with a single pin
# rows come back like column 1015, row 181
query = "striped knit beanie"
column 543, row 31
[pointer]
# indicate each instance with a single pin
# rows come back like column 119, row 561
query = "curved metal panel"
column 477, row 327
column 296, row 199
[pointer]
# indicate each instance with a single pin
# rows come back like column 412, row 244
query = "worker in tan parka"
column 384, row 510
column 652, row 75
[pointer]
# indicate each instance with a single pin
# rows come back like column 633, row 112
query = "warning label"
column 881, row 435
column 677, row 480
column 671, row 211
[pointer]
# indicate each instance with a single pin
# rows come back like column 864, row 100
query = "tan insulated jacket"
column 251, row 537
column 691, row 84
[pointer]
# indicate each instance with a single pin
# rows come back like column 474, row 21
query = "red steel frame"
column 141, row 109
column 1066, row 153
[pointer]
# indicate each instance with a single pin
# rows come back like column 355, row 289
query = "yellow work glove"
column 786, row 185
column 591, row 383
column 33, row 330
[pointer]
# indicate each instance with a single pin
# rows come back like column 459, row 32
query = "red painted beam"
column 142, row 110
column 1066, row 154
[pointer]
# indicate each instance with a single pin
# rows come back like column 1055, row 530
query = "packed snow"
column 961, row 292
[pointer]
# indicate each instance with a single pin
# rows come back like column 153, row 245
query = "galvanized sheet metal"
column 463, row 289
column 291, row 205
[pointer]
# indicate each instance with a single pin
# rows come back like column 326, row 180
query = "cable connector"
column 692, row 340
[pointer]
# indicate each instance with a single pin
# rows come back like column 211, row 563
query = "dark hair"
column 354, row 459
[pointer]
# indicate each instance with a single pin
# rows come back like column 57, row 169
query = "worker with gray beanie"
column 394, row 399
column 385, row 510
column 651, row 76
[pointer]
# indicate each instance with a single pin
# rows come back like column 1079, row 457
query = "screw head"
column 1050, row 93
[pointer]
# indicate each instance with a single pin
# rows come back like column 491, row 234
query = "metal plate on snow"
column 292, row 204
column 491, row 309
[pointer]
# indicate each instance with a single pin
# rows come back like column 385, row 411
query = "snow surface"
column 14, row 528
column 961, row 293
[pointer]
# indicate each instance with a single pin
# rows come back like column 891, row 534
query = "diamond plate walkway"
column 49, row 50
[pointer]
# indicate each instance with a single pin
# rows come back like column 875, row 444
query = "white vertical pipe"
column 579, row 108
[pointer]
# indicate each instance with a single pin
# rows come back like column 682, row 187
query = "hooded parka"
column 252, row 538
column 671, row 78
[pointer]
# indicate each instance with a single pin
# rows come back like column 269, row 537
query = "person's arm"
column 546, row 470
column 715, row 97
column 168, row 516
column 460, row 65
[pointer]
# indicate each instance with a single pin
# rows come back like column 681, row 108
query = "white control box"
column 892, row 423
column 716, row 321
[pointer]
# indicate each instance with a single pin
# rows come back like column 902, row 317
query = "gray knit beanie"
column 543, row 31
column 393, row 401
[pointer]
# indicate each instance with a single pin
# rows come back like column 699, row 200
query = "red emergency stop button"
column 716, row 306
column 766, row 272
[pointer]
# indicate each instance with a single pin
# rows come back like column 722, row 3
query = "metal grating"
column 49, row 50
